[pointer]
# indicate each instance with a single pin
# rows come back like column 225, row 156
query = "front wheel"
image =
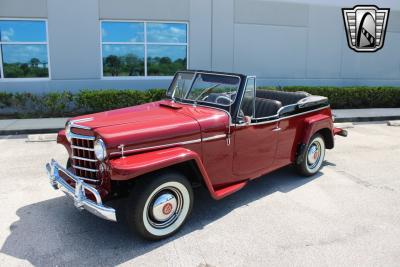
column 159, row 205
column 313, row 156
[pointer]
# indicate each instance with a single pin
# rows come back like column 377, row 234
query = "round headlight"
column 68, row 131
column 100, row 149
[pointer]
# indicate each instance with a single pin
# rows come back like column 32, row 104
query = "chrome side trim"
column 79, row 192
column 157, row 147
column 86, row 159
column 85, row 169
column 83, row 148
column 215, row 137
column 282, row 118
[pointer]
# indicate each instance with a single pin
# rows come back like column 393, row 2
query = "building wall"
column 283, row 43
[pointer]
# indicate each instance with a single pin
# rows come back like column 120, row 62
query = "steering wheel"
column 223, row 99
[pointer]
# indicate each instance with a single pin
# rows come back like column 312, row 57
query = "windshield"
column 205, row 87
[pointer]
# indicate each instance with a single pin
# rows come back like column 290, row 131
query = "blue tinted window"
column 166, row 32
column 126, row 49
column 21, row 61
column 23, row 45
column 123, row 60
column 165, row 59
column 22, row 31
column 122, row 31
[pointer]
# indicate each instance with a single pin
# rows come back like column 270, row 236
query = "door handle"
column 276, row 129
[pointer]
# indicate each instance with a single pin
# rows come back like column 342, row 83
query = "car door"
column 254, row 142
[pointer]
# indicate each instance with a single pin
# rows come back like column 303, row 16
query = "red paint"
column 254, row 150
column 167, row 208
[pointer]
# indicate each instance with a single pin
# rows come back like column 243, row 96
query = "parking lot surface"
column 347, row 215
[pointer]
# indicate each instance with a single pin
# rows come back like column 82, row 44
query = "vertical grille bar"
column 83, row 158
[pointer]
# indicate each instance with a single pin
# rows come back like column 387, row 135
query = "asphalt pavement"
column 346, row 215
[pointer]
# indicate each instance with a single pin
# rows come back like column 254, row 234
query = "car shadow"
column 53, row 232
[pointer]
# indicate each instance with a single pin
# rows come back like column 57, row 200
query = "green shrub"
column 53, row 104
column 5, row 99
column 100, row 100
column 353, row 97
column 28, row 105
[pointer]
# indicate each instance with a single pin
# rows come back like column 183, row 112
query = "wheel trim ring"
column 181, row 218
column 318, row 149
column 172, row 218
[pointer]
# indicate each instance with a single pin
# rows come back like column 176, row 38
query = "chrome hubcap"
column 165, row 207
column 313, row 155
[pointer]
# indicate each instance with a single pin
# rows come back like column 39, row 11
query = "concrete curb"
column 367, row 119
column 29, row 131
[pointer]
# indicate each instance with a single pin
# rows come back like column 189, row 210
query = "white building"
column 49, row 45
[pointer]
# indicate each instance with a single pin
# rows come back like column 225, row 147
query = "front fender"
column 133, row 166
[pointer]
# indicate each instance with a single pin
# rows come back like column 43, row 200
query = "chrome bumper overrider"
column 78, row 193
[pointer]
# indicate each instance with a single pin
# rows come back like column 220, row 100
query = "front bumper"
column 78, row 193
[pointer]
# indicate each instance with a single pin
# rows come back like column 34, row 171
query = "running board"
column 223, row 192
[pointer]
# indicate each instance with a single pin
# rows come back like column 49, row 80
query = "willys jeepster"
column 213, row 129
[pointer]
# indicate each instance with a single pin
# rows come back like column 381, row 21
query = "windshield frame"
column 170, row 92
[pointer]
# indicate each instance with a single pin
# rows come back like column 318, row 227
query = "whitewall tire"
column 313, row 156
column 159, row 205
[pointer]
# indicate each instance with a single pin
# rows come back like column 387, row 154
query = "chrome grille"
column 84, row 161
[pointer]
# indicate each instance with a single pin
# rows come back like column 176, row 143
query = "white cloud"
column 7, row 34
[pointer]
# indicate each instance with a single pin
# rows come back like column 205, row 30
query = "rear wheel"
column 313, row 157
column 159, row 205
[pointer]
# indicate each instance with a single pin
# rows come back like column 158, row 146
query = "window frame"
column 5, row 79
column 249, row 77
column 144, row 43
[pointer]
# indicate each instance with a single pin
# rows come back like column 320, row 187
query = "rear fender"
column 129, row 167
column 317, row 123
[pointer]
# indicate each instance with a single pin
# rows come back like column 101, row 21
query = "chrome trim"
column 244, row 91
column 156, row 147
column 79, row 192
column 215, row 137
column 84, row 169
column 282, row 118
column 88, row 179
column 83, row 148
column 86, row 159
column 73, row 123
column 103, row 146
column 83, row 137
column 192, row 82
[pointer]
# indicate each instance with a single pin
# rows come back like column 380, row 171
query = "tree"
column 114, row 63
column 132, row 63
column 34, row 62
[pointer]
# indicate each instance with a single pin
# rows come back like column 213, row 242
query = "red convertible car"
column 213, row 129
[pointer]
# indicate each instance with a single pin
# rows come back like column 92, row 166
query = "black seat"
column 266, row 107
column 263, row 107
column 286, row 98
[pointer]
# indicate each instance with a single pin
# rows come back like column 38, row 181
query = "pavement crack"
column 364, row 183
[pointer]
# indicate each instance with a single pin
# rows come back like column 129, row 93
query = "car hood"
column 152, row 124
